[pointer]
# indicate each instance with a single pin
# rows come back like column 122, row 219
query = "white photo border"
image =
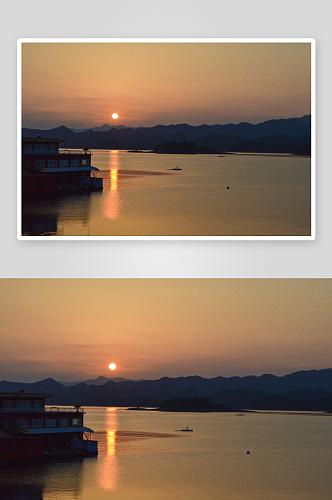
column 312, row 42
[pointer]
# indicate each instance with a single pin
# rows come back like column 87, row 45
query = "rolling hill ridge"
column 279, row 136
column 304, row 390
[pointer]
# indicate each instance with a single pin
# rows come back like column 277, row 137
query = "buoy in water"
column 248, row 452
column 227, row 187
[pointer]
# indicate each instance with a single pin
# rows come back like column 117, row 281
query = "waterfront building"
column 47, row 168
column 29, row 429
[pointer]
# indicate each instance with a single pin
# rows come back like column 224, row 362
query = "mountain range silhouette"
column 298, row 391
column 292, row 135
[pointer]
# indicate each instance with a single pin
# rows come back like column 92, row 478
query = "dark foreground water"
column 142, row 457
column 267, row 196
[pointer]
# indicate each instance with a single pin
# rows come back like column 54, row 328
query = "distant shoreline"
column 220, row 155
column 239, row 412
column 278, row 155
column 139, row 408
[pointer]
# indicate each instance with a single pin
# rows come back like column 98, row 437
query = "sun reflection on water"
column 114, row 179
column 110, row 442
column 112, row 199
column 109, row 470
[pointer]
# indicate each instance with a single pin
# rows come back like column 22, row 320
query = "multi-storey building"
column 30, row 429
column 46, row 168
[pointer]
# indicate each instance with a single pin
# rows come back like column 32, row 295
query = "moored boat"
column 176, row 168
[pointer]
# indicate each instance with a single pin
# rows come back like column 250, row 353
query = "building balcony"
column 59, row 152
column 48, row 409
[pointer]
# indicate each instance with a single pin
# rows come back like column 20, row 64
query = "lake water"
column 267, row 196
column 142, row 457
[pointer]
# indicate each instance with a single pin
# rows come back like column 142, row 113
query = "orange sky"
column 82, row 84
column 71, row 329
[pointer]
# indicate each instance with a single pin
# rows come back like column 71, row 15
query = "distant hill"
column 184, row 148
column 305, row 119
column 285, row 135
column 103, row 128
column 193, row 405
column 286, row 144
column 47, row 386
column 96, row 381
column 304, row 390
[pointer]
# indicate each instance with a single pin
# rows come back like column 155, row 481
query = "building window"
column 23, row 405
column 85, row 162
column 52, row 148
column 64, row 163
column 40, row 163
column 8, row 424
column 41, row 148
column 32, row 183
column 37, row 423
column 22, row 424
column 38, row 405
column 50, row 422
column 47, row 183
column 76, row 421
column 52, row 163
column 75, row 163
column 27, row 148
column 31, row 447
column 64, row 422
column 13, row 447
column 28, row 163
column 8, row 405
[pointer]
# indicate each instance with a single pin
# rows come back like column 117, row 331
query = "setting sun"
column 112, row 366
column 115, row 116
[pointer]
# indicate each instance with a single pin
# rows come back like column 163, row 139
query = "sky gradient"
column 81, row 84
column 71, row 329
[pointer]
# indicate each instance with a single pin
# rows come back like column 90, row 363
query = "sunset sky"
column 82, row 84
column 72, row 329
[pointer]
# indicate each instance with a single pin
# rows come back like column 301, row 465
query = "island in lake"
column 183, row 404
column 182, row 148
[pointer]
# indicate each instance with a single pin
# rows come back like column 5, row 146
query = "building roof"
column 41, row 140
column 24, row 395
column 4, row 435
column 32, row 172
column 55, row 430
column 67, row 169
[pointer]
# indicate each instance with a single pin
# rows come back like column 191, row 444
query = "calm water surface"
column 142, row 457
column 268, row 196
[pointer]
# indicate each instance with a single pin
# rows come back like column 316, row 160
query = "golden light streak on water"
column 109, row 469
column 112, row 200
column 110, row 442
column 114, row 179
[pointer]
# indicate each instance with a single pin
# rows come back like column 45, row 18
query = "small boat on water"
column 92, row 183
column 176, row 168
column 186, row 429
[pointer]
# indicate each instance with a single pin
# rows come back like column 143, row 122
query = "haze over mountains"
column 299, row 391
column 292, row 135
column 103, row 128
column 96, row 381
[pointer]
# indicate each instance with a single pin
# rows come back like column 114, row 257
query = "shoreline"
column 240, row 411
column 224, row 153
column 277, row 155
